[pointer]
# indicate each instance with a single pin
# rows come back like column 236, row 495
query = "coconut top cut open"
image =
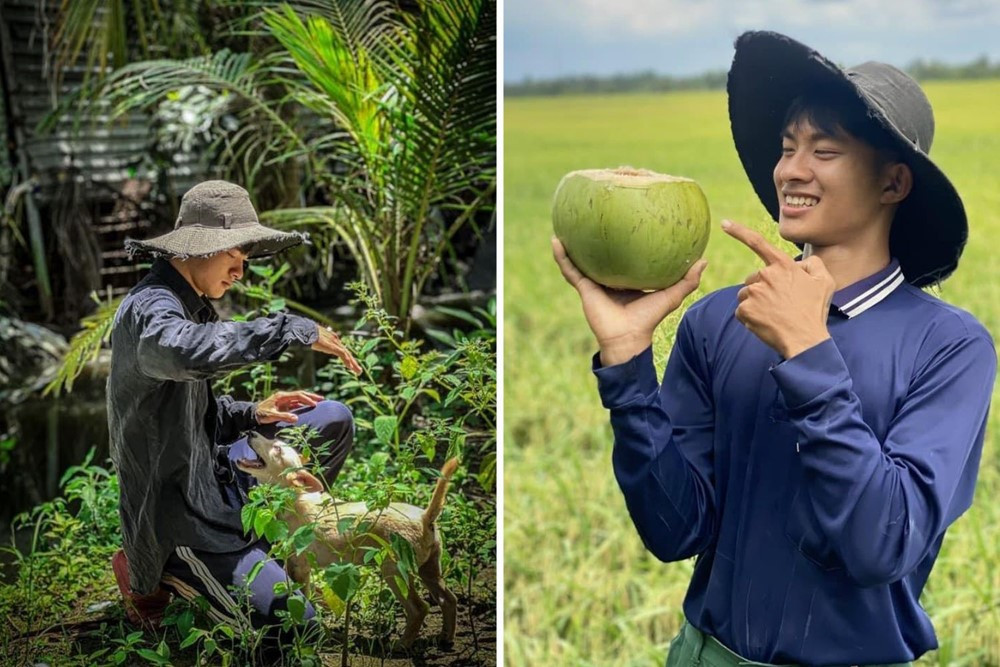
column 628, row 177
column 630, row 228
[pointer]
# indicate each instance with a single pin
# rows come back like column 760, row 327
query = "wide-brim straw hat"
column 770, row 70
column 215, row 216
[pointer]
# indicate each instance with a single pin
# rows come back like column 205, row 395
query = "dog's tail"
column 436, row 505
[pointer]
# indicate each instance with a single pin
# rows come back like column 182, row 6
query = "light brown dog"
column 280, row 464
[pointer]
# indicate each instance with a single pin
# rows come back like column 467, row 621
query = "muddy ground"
column 82, row 635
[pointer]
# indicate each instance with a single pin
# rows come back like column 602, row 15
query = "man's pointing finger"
column 757, row 243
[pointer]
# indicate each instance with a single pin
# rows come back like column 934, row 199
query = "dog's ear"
column 305, row 480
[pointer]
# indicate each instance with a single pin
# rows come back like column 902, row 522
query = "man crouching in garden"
column 173, row 442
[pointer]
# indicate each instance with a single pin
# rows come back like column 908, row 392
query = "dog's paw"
column 445, row 643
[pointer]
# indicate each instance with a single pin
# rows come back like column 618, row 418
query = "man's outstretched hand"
column 624, row 320
column 786, row 303
column 278, row 406
column 330, row 343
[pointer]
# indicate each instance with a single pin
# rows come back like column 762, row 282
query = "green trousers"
column 693, row 648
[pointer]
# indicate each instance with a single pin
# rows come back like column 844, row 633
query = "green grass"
column 579, row 587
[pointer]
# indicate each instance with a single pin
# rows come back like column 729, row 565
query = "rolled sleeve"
column 234, row 417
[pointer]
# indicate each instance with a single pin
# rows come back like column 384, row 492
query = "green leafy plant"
column 417, row 401
column 390, row 114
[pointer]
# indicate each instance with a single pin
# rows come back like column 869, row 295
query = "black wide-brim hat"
column 770, row 70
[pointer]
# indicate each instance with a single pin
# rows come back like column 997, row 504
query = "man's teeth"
column 801, row 201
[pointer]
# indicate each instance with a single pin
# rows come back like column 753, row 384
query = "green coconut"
column 631, row 228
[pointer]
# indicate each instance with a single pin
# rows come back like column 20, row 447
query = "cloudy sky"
column 551, row 38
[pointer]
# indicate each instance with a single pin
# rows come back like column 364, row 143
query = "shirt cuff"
column 626, row 383
column 303, row 329
column 809, row 374
column 245, row 414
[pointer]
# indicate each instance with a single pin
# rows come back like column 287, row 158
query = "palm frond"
column 84, row 347
column 345, row 224
column 110, row 32
column 144, row 84
column 447, row 71
column 447, row 66
column 347, row 79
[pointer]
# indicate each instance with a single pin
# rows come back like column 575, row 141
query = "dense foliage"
column 413, row 406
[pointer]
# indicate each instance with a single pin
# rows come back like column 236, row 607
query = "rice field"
column 579, row 587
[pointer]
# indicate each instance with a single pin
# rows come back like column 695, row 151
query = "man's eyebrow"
column 818, row 135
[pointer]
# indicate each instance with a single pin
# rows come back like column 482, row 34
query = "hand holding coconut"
column 786, row 303
column 623, row 320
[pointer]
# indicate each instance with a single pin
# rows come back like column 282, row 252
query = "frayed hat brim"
column 196, row 241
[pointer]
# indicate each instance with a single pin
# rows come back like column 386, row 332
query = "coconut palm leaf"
column 143, row 84
column 99, row 24
column 361, row 23
column 84, row 346
column 110, row 32
column 344, row 223
column 345, row 81
column 446, row 118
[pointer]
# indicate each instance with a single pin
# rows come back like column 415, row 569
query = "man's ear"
column 305, row 480
column 897, row 183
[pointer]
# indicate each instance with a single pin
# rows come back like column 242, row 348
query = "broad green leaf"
column 297, row 608
column 428, row 446
column 276, row 530
column 261, row 522
column 385, row 428
column 336, row 605
column 343, row 579
column 377, row 463
column 248, row 514
column 302, row 538
column 345, row 524
column 193, row 636
column 152, row 656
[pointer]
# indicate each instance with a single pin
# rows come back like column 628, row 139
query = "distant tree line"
column 651, row 82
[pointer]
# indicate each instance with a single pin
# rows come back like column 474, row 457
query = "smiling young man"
column 818, row 428
column 173, row 442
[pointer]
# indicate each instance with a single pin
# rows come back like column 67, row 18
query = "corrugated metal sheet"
column 100, row 157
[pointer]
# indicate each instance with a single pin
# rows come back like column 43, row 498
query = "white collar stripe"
column 865, row 295
column 875, row 298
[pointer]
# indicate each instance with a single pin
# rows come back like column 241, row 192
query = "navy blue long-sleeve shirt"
column 815, row 491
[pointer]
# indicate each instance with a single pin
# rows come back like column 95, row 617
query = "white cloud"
column 645, row 18
column 551, row 38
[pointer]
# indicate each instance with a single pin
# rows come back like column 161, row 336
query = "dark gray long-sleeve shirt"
column 165, row 422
